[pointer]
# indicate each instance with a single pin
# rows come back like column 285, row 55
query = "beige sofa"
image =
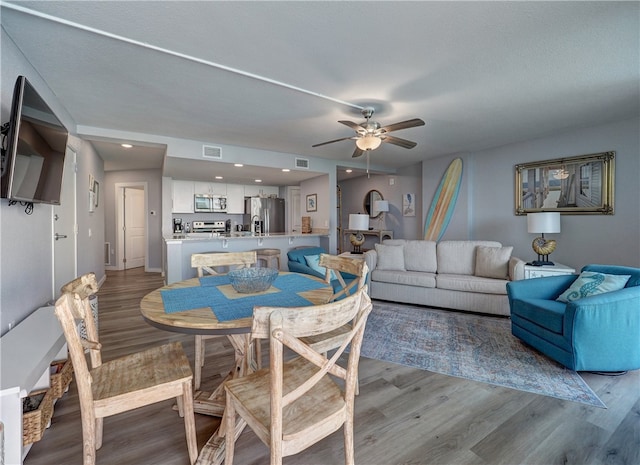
column 460, row 275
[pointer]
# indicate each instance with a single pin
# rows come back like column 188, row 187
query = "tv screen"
column 36, row 142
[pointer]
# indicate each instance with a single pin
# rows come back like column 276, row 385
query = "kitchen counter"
column 180, row 247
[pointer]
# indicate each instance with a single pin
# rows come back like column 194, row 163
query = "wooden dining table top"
column 203, row 320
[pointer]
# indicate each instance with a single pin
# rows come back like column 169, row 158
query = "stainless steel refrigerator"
column 264, row 215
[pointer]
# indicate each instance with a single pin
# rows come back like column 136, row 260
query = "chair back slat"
column 285, row 326
column 206, row 263
column 348, row 265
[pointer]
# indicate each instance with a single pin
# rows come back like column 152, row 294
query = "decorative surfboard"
column 444, row 202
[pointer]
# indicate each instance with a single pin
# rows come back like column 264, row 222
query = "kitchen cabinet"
column 214, row 188
column 257, row 191
column 235, row 199
column 182, row 196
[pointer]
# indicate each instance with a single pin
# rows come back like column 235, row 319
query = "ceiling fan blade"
column 357, row 153
column 411, row 123
column 332, row 141
column 352, row 125
column 407, row 144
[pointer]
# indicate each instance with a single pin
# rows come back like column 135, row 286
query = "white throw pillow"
column 493, row 262
column 592, row 283
column 390, row 257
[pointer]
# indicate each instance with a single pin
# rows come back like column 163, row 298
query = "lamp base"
column 541, row 263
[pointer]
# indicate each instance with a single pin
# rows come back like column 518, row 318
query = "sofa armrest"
column 297, row 267
column 604, row 329
column 548, row 288
column 371, row 259
column 516, row 269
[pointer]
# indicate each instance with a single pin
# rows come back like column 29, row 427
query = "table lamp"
column 358, row 222
column 381, row 206
column 544, row 222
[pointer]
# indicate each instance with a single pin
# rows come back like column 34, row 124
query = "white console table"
column 26, row 352
column 381, row 234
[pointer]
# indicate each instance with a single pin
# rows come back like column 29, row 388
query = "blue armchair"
column 595, row 333
column 298, row 264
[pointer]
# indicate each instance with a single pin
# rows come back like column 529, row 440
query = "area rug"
column 476, row 347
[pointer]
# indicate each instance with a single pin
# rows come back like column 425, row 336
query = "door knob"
column 60, row 236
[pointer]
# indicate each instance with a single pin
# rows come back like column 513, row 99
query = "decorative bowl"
column 252, row 280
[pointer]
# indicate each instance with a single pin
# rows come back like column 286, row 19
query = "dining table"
column 211, row 306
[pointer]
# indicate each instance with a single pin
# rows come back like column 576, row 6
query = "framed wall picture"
column 312, row 202
column 409, row 205
column 579, row 185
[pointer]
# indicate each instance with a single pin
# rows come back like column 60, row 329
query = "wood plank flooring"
column 403, row 415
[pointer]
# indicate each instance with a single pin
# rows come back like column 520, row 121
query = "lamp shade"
column 368, row 142
column 358, row 222
column 543, row 222
column 381, row 205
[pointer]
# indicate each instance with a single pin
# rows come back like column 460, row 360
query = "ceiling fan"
column 369, row 135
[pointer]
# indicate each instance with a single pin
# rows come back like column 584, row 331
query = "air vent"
column 302, row 163
column 211, row 152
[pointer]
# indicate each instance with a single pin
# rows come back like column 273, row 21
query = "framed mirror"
column 369, row 202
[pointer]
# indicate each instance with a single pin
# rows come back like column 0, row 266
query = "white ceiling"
column 279, row 75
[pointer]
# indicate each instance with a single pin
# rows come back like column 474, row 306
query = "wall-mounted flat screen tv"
column 36, row 142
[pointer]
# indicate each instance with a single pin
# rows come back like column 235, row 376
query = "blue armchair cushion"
column 313, row 261
column 593, row 283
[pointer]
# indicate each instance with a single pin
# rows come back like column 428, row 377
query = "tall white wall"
column 26, row 241
column 486, row 204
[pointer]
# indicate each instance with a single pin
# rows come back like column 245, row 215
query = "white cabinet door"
column 214, row 188
column 235, row 199
column 182, row 197
column 257, row 190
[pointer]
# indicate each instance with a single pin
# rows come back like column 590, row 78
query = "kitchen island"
column 180, row 247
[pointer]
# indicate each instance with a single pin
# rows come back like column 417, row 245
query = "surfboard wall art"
column 444, row 202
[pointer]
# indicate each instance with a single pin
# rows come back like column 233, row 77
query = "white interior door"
column 134, row 227
column 295, row 220
column 64, row 226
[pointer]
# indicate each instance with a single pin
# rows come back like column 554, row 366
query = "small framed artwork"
column 409, row 205
column 578, row 185
column 312, row 202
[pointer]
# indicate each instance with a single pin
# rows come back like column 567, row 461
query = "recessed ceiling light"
column 286, row 170
column 348, row 171
column 239, row 165
column 126, row 146
column 258, row 180
column 218, row 177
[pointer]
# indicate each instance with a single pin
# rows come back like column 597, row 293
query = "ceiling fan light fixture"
column 368, row 142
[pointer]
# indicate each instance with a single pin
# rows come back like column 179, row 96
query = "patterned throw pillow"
column 592, row 283
column 313, row 262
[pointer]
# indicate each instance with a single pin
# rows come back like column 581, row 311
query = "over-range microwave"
column 209, row 203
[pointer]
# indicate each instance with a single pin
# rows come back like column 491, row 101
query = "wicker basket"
column 61, row 376
column 35, row 421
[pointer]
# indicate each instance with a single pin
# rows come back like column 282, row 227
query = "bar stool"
column 268, row 256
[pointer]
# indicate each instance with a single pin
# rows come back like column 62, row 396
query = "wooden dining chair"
column 334, row 266
column 295, row 403
column 123, row 384
column 211, row 264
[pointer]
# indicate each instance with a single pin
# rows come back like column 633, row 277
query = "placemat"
column 287, row 288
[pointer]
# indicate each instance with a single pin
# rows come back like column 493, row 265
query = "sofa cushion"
column 493, row 262
column 313, row 261
column 592, row 283
column 409, row 278
column 459, row 257
column 547, row 314
column 466, row 283
column 390, row 257
column 419, row 255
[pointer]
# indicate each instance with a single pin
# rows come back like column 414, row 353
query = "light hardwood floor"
column 403, row 415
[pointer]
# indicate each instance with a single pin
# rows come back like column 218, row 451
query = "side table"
column 558, row 269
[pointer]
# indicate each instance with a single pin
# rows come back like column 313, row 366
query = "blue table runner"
column 208, row 295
